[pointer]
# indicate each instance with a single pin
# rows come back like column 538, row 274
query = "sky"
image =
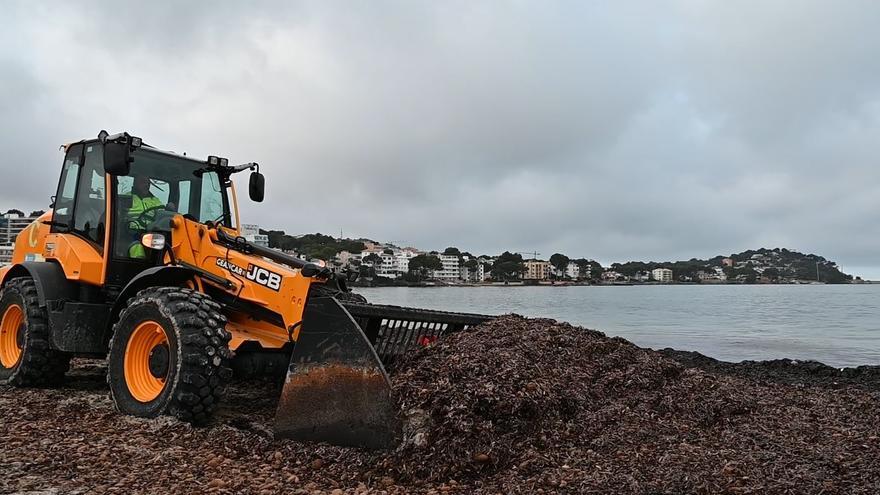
column 608, row 130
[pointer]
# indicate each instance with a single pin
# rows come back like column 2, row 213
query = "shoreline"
column 613, row 284
column 783, row 371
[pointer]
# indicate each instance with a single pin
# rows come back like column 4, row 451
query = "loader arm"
column 337, row 388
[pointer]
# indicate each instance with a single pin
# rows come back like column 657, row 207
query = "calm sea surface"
column 836, row 324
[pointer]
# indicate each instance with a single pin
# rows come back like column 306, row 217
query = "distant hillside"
column 778, row 264
column 761, row 265
column 313, row 246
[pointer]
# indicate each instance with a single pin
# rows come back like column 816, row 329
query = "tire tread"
column 40, row 365
column 204, row 365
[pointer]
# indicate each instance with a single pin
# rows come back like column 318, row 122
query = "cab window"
column 211, row 207
column 185, row 197
column 90, row 210
column 63, row 209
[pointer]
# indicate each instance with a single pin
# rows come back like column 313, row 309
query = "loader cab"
column 111, row 201
column 159, row 186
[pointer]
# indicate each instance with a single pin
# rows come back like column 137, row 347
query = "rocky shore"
column 514, row 406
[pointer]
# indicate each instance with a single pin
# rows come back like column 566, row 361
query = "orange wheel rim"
column 143, row 367
column 11, row 336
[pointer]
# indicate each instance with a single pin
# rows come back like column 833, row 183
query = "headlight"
column 153, row 241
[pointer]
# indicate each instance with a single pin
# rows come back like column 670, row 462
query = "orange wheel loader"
column 140, row 260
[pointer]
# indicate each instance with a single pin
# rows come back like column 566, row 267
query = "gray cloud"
column 613, row 131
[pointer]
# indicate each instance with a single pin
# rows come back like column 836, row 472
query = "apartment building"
column 10, row 225
column 451, row 270
column 388, row 266
column 6, row 255
column 402, row 259
column 662, row 274
column 536, row 270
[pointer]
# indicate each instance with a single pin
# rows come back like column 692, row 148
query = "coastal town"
column 385, row 263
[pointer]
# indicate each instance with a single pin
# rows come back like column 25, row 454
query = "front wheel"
column 169, row 355
column 26, row 357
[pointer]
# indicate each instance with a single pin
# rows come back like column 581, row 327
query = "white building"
column 394, row 263
column 402, row 259
column 344, row 258
column 10, row 225
column 6, row 254
column 715, row 275
column 388, row 266
column 251, row 233
column 611, row 276
column 451, row 271
column 662, row 274
column 464, row 273
column 484, row 272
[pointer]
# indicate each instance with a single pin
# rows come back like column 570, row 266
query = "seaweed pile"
column 514, row 406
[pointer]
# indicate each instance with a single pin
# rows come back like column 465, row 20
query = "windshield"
column 160, row 186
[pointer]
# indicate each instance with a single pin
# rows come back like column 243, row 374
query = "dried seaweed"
column 514, row 406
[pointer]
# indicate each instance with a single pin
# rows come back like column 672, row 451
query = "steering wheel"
column 141, row 222
column 142, row 214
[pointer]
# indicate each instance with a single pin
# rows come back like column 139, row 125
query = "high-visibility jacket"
column 140, row 205
column 140, row 223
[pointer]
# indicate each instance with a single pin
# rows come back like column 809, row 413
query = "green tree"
column 508, row 266
column 452, row 251
column 313, row 245
column 560, row 263
column 747, row 273
column 373, row 258
column 422, row 264
column 367, row 271
column 585, row 267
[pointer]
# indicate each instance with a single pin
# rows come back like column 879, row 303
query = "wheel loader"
column 140, row 260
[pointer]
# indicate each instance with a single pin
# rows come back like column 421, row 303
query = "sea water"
column 836, row 324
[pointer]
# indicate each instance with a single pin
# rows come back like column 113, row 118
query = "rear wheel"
column 26, row 358
column 169, row 355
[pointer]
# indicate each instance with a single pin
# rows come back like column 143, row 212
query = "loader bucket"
column 337, row 389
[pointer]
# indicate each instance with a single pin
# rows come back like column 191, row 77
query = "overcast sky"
column 608, row 130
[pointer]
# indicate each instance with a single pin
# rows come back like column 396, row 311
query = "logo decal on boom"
column 254, row 273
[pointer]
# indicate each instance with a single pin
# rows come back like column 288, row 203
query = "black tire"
column 198, row 358
column 38, row 365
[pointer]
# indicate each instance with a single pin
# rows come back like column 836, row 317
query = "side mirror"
column 117, row 158
column 257, row 187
